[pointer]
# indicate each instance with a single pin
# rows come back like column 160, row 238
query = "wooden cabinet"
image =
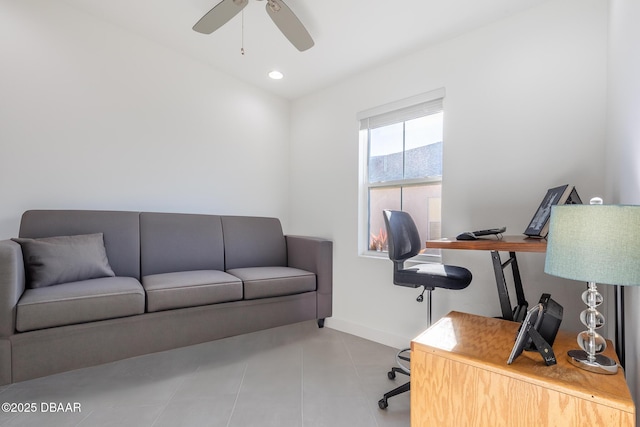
column 460, row 377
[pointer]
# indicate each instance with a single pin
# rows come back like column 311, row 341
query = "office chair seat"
column 404, row 243
column 433, row 276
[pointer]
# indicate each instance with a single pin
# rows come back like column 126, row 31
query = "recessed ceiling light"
column 276, row 75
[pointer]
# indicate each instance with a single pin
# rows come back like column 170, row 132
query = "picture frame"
column 539, row 225
column 529, row 329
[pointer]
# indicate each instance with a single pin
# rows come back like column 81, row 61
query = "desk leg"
column 523, row 305
column 503, row 292
column 520, row 310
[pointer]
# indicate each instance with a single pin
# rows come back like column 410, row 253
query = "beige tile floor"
column 295, row 375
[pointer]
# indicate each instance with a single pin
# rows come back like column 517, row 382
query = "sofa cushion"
column 253, row 242
column 54, row 260
column 190, row 288
column 79, row 302
column 265, row 282
column 173, row 242
column 121, row 231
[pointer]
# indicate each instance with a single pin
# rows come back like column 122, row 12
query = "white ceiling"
column 349, row 35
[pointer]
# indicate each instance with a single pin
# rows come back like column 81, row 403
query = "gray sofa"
column 122, row 284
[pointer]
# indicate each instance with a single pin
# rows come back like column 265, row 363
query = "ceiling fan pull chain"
column 242, row 35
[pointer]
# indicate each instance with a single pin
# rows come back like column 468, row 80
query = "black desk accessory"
column 473, row 235
column 551, row 319
column 529, row 332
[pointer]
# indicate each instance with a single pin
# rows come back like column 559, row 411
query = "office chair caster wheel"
column 382, row 403
column 391, row 375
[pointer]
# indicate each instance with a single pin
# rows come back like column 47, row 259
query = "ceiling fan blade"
column 289, row 24
column 219, row 15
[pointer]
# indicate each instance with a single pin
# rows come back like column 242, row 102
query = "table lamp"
column 595, row 244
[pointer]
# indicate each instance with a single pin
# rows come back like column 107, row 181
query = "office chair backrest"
column 402, row 235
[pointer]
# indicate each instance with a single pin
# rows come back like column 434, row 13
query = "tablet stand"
column 541, row 345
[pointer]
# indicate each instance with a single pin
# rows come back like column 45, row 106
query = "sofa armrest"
column 12, row 282
column 316, row 255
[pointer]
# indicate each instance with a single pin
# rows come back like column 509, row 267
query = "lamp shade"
column 595, row 243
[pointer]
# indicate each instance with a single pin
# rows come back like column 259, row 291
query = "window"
column 401, row 167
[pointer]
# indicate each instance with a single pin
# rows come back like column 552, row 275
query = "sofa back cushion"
column 253, row 242
column 120, row 229
column 173, row 242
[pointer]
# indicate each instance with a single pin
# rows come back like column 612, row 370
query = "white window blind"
column 415, row 106
column 401, row 115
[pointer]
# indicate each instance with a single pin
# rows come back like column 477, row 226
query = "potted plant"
column 378, row 242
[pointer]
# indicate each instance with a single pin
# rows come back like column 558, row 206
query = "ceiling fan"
column 280, row 14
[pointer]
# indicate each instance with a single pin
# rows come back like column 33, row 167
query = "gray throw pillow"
column 54, row 260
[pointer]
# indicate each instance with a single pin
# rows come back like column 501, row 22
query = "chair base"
column 383, row 403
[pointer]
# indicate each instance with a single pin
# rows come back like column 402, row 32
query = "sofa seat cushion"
column 265, row 282
column 79, row 302
column 190, row 288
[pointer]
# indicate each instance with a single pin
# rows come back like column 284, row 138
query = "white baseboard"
column 385, row 338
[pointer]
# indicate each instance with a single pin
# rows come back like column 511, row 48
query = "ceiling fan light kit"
column 274, row 6
column 281, row 15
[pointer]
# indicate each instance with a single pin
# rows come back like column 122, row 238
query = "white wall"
column 94, row 117
column 524, row 111
column 623, row 143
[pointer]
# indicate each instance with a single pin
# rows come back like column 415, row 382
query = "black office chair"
column 404, row 243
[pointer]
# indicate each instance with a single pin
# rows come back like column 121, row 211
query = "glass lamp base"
column 602, row 364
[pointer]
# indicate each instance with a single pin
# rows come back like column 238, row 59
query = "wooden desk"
column 506, row 243
column 511, row 244
column 460, row 377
